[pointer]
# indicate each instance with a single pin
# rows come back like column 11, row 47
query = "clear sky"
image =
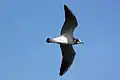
column 25, row 25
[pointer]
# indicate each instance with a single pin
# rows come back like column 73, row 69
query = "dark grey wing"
column 68, row 54
column 70, row 22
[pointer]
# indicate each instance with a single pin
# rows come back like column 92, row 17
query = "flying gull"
column 66, row 40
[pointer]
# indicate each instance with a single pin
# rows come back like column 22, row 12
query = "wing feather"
column 68, row 54
column 70, row 22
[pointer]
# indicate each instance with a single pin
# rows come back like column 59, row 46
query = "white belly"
column 60, row 39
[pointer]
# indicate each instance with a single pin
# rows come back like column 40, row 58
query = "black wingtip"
column 65, row 7
column 60, row 74
column 69, row 15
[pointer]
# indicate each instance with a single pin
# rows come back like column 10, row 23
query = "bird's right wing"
column 68, row 54
column 70, row 22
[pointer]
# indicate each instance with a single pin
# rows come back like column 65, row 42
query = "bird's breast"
column 61, row 39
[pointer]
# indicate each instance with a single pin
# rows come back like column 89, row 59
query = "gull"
column 66, row 40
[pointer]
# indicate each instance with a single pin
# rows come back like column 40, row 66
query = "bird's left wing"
column 70, row 22
column 68, row 54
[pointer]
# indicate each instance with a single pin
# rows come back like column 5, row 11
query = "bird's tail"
column 48, row 40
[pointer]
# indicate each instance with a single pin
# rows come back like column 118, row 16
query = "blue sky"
column 25, row 25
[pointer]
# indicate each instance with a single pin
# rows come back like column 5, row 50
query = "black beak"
column 82, row 42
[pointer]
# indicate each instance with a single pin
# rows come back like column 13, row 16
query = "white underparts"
column 60, row 39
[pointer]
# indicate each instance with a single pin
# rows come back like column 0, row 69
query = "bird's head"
column 78, row 41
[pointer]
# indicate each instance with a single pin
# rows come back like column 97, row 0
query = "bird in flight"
column 66, row 40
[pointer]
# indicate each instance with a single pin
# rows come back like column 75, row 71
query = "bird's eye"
column 77, row 40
